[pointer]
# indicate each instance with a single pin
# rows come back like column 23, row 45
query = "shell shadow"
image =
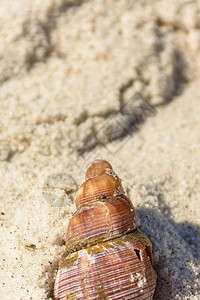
column 175, row 251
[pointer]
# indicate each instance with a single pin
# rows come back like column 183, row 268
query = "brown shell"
column 104, row 185
column 97, row 168
column 107, row 257
column 100, row 221
column 116, row 269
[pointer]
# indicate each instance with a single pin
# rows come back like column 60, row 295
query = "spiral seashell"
column 107, row 256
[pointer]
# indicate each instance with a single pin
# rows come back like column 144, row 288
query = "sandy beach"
column 114, row 80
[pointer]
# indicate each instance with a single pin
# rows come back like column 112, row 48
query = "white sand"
column 68, row 70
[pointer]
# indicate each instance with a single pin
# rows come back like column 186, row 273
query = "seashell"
column 107, row 256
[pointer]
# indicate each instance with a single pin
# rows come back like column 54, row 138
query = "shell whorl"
column 100, row 221
column 100, row 181
column 97, row 168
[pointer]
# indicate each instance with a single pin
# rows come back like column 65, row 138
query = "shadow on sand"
column 175, row 250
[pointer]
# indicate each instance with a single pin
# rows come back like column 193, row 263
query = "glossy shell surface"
column 107, row 256
column 100, row 221
column 104, row 185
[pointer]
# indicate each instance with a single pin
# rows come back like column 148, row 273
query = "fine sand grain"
column 81, row 80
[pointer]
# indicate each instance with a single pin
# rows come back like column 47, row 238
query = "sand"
column 81, row 80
